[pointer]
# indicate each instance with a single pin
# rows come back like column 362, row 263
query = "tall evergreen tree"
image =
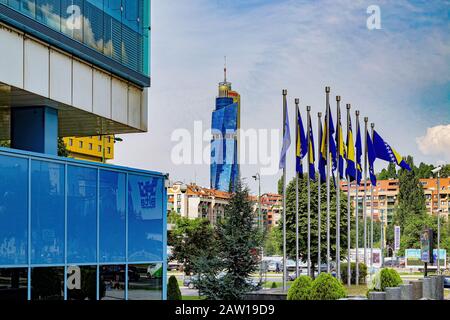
column 226, row 276
column 303, row 221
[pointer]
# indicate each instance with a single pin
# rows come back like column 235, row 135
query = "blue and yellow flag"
column 371, row 157
column 332, row 142
column 311, row 157
column 342, row 150
column 358, row 150
column 301, row 144
column 385, row 152
column 286, row 139
column 351, row 160
column 322, row 157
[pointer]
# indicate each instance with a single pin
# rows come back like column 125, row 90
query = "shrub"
column 327, row 287
column 362, row 272
column 173, row 290
column 300, row 289
column 274, row 285
column 383, row 279
column 389, row 278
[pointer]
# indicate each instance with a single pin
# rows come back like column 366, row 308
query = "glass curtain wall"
column 119, row 29
column 97, row 232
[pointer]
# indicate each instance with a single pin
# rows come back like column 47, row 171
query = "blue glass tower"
column 225, row 142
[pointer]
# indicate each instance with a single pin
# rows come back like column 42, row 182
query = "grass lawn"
column 192, row 298
column 359, row 290
column 268, row 284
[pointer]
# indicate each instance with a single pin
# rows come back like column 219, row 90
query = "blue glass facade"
column 77, row 230
column 114, row 34
column 224, row 146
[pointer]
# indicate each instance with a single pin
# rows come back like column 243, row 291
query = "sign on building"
column 396, row 238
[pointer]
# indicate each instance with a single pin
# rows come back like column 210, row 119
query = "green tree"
column 423, row 171
column 411, row 198
column 190, row 239
column 225, row 277
column 389, row 173
column 273, row 242
column 303, row 222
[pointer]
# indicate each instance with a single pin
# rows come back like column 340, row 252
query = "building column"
column 35, row 129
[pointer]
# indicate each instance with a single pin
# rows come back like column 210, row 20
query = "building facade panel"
column 119, row 101
column 36, row 75
column 11, row 63
column 60, row 77
column 82, row 86
column 102, row 94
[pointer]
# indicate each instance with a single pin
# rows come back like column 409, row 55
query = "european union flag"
column 358, row 149
column 385, row 152
column 301, row 144
column 371, row 157
column 322, row 157
column 351, row 168
column 311, row 157
column 286, row 140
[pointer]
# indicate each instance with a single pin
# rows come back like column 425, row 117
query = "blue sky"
column 397, row 76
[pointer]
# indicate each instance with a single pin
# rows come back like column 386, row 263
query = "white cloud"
column 436, row 141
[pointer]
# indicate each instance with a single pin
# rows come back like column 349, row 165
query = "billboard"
column 396, row 238
column 413, row 258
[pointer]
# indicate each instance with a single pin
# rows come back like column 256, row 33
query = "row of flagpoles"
column 332, row 152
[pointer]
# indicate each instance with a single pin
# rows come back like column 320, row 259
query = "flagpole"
column 349, row 270
column 366, row 119
column 372, row 125
column 338, row 189
column 284, row 196
column 357, row 212
column 297, row 101
column 327, row 91
column 319, row 213
column 308, row 263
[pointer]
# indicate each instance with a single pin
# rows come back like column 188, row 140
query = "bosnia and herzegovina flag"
column 286, row 139
column 332, row 147
column 371, row 157
column 311, row 157
column 322, row 157
column 342, row 151
column 358, row 150
column 385, row 152
column 301, row 144
column 351, row 168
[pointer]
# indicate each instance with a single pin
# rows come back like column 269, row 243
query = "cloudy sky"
column 398, row 75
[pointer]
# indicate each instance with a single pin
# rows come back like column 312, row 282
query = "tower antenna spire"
column 225, row 69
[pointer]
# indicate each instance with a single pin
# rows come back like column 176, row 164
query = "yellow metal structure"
column 94, row 148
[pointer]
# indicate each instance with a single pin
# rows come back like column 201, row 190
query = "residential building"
column 76, row 69
column 225, row 124
column 272, row 208
column 385, row 197
column 93, row 148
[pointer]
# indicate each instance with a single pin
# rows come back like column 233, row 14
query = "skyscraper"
column 225, row 123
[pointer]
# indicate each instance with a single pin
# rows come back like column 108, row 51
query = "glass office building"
column 76, row 230
column 112, row 34
column 224, row 145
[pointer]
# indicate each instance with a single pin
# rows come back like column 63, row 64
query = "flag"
column 311, row 157
column 385, row 152
column 351, row 168
column 342, row 150
column 286, row 139
column 358, row 149
column 332, row 143
column 301, row 142
column 371, row 157
column 322, row 157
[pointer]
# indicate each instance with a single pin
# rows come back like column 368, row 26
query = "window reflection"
column 47, row 283
column 145, row 281
column 81, row 283
column 13, row 284
column 116, row 28
column 112, row 277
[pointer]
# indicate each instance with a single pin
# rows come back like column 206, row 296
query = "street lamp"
column 257, row 177
column 438, row 172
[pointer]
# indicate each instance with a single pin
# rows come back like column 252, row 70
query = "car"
column 447, row 282
column 189, row 281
